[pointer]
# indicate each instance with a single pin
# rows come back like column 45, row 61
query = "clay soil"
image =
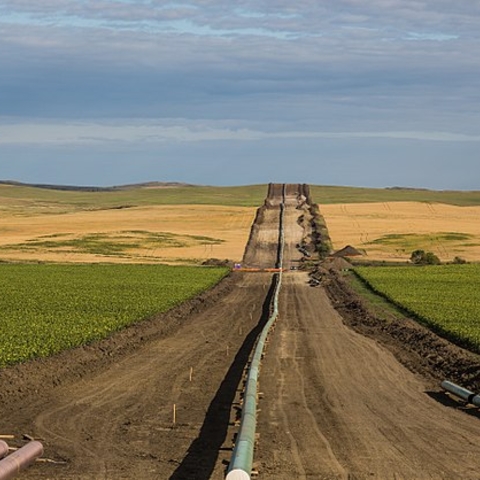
column 341, row 398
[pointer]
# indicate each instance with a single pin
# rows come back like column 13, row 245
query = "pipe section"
column 238, row 475
column 241, row 462
column 11, row 465
column 461, row 392
column 3, row 448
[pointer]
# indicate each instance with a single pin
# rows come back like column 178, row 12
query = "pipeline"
column 461, row 392
column 11, row 465
column 241, row 462
column 3, row 448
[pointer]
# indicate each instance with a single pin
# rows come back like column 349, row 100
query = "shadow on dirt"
column 447, row 401
column 202, row 455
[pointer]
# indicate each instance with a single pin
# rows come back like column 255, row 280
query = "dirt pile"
column 347, row 251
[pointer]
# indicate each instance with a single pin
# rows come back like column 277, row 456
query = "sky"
column 375, row 93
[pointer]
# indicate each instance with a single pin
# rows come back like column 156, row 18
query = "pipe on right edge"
column 462, row 393
column 11, row 465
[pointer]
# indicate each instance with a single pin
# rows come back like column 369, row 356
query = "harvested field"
column 391, row 231
column 150, row 234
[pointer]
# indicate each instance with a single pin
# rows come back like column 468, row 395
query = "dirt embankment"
column 417, row 347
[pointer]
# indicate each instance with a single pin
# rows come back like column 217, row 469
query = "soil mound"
column 336, row 263
column 347, row 251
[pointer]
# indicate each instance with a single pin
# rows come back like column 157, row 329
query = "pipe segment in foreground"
column 462, row 393
column 241, row 463
column 11, row 465
column 242, row 456
column 3, row 448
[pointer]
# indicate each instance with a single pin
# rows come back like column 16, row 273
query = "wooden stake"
column 174, row 414
column 191, row 373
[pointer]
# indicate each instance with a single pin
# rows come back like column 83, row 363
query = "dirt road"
column 335, row 404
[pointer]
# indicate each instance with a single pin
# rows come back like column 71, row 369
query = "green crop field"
column 446, row 297
column 48, row 308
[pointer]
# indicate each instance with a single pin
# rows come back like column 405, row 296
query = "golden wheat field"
column 54, row 229
column 392, row 230
column 167, row 234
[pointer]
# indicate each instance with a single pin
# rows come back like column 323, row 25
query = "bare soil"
column 336, row 401
column 339, row 405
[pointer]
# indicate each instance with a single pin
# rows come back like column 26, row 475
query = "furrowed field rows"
column 444, row 297
column 48, row 308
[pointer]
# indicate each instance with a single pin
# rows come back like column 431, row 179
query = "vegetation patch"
column 110, row 244
column 443, row 297
column 411, row 240
column 408, row 242
column 48, row 308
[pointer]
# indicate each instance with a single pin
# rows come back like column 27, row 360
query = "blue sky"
column 347, row 92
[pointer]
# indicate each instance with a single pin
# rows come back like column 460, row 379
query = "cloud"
column 99, row 72
column 82, row 133
column 276, row 36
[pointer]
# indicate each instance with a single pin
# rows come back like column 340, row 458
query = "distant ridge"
column 412, row 189
column 115, row 188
